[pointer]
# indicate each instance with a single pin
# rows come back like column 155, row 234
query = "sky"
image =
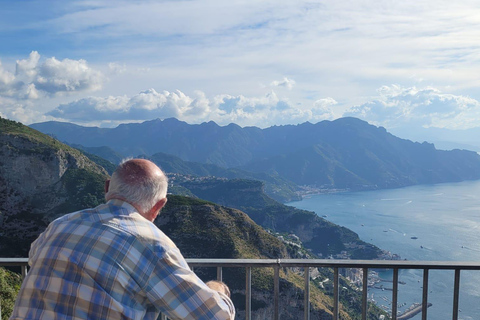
column 403, row 65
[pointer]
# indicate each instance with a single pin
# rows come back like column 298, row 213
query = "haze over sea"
column 444, row 219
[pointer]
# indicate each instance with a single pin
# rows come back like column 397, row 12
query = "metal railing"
column 307, row 264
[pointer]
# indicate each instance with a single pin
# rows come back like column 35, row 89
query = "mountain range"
column 347, row 153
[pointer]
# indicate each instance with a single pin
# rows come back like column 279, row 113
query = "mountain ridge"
column 346, row 153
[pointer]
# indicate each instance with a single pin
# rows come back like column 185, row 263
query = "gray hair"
column 143, row 191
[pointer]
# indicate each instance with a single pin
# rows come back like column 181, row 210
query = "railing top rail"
column 7, row 262
column 387, row 264
column 330, row 263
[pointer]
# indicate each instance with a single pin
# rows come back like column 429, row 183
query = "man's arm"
column 180, row 294
column 219, row 286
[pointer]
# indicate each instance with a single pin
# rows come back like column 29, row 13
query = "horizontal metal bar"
column 380, row 264
column 285, row 263
column 13, row 262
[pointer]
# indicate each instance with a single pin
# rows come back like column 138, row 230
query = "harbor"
column 376, row 282
column 411, row 312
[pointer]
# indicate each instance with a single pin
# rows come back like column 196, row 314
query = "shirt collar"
column 120, row 203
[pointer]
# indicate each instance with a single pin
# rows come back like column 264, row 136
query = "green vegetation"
column 44, row 142
column 9, row 285
column 107, row 165
column 67, row 181
column 275, row 186
column 83, row 189
column 317, row 234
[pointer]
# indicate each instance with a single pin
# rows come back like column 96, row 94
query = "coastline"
column 423, row 212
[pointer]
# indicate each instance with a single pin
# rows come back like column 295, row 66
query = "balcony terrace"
column 307, row 265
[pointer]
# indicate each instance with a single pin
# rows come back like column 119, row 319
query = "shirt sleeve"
column 178, row 292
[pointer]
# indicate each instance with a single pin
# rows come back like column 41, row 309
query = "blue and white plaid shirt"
column 111, row 263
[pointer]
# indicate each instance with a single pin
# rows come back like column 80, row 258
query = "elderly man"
column 112, row 262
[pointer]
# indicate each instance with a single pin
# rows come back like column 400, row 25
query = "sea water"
column 428, row 222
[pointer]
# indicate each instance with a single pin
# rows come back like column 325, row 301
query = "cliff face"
column 36, row 174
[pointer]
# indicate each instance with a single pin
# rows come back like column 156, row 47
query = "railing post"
column 425, row 294
column 248, row 293
column 276, row 290
column 24, row 271
column 395, row 294
column 219, row 274
column 365, row 294
column 335, row 294
column 306, row 298
column 456, row 293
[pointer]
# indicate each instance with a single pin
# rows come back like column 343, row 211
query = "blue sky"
column 402, row 65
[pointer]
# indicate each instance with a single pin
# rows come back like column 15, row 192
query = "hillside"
column 40, row 179
column 347, row 153
column 322, row 237
column 203, row 229
column 276, row 187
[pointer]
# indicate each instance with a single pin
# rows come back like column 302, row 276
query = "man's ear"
column 160, row 204
column 107, row 185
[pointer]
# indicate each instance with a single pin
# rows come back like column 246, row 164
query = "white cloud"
column 6, row 77
column 287, row 83
column 397, row 106
column 322, row 109
column 26, row 69
column 7, row 80
column 33, row 79
column 20, row 111
column 55, row 76
column 148, row 104
column 224, row 109
column 117, row 68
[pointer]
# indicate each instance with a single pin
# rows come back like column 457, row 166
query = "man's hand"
column 219, row 286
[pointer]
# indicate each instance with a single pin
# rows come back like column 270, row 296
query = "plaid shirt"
column 111, row 263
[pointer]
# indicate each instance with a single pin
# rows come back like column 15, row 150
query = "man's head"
column 142, row 184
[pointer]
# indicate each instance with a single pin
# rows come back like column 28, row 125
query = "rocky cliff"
column 40, row 179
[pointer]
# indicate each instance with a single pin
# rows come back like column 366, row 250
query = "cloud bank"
column 398, row 106
column 223, row 109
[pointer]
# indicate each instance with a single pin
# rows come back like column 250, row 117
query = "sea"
column 439, row 222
